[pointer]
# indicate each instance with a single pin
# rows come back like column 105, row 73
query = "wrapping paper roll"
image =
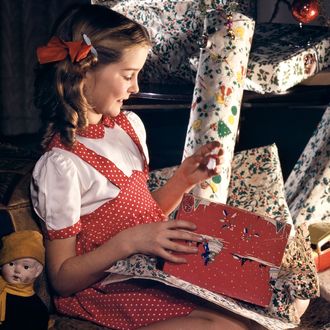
column 218, row 93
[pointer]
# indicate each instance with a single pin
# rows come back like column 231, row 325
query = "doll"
column 22, row 258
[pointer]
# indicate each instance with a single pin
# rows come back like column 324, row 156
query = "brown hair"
column 59, row 86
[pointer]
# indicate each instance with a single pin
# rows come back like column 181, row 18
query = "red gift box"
column 241, row 252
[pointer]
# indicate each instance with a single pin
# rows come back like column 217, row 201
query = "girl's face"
column 107, row 87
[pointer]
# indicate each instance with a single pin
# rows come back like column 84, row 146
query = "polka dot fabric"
column 96, row 131
column 126, row 305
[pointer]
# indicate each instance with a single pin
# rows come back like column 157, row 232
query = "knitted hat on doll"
column 22, row 244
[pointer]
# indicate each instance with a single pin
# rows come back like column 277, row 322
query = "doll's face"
column 21, row 271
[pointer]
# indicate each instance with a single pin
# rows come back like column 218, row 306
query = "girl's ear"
column 89, row 77
column 88, row 87
column 88, row 74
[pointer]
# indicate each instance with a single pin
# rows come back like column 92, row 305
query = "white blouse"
column 64, row 187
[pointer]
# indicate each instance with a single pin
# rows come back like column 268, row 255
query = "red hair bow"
column 57, row 50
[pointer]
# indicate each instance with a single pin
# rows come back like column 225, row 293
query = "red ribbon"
column 57, row 50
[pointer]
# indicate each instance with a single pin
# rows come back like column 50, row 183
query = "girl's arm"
column 70, row 273
column 192, row 171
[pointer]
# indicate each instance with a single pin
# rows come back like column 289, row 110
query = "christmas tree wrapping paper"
column 218, row 93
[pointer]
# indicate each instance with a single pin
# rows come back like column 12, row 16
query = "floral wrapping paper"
column 217, row 95
column 256, row 183
column 297, row 277
column 176, row 28
column 308, row 185
column 282, row 56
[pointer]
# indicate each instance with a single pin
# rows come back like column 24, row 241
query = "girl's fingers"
column 200, row 159
column 208, row 148
column 220, row 152
column 181, row 246
column 180, row 224
column 209, row 153
column 184, row 236
column 174, row 251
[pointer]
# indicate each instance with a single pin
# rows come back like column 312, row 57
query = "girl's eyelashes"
column 130, row 75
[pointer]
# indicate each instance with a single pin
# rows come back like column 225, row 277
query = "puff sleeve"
column 56, row 194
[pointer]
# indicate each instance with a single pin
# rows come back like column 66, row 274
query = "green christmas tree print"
column 223, row 129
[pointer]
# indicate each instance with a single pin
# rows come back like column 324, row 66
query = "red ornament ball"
column 305, row 11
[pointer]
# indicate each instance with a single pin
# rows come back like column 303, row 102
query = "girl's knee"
column 230, row 323
column 223, row 320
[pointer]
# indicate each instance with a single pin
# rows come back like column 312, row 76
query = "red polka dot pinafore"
column 131, row 304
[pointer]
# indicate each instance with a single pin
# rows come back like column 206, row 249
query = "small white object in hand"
column 211, row 164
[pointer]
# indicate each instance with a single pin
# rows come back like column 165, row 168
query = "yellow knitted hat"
column 22, row 244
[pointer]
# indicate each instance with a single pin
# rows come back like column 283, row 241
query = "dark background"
column 24, row 25
column 287, row 120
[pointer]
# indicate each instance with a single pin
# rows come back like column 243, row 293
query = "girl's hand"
column 162, row 239
column 195, row 169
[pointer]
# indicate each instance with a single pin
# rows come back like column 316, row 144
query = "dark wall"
column 24, row 25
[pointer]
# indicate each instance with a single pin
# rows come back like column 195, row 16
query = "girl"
column 90, row 187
